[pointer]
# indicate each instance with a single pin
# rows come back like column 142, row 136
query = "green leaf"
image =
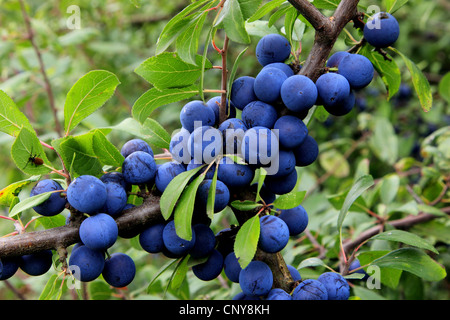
column 245, row 205
column 27, row 145
column 326, row 4
column 51, row 287
column 362, row 183
column 387, row 276
column 389, row 188
column 384, row 141
column 412, row 260
column 289, row 200
column 388, row 70
column 78, row 153
column 233, row 72
column 155, row 98
column 106, row 152
column 289, row 22
column 58, row 220
column 87, row 95
column 99, row 290
column 265, row 9
column 163, row 269
column 150, row 131
column 334, row 162
column 394, row 5
column 11, row 118
column 233, row 22
column 187, row 41
column 311, row 262
column 173, row 191
column 176, row 25
column 29, row 203
column 406, row 238
column 185, row 208
column 262, row 173
column 211, row 196
column 168, row 70
column 444, row 87
column 179, row 274
column 247, row 241
column 10, row 193
column 249, row 7
column 420, row 82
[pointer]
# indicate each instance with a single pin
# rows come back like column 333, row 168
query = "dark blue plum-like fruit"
column 116, row 199
column 299, row 93
column 282, row 66
column 259, row 146
column 135, row 145
column 87, row 194
column 344, row 107
column 242, row 92
column 86, row 264
column 99, row 232
column 233, row 131
column 165, row 174
column 53, row 205
column 259, row 114
column 242, row 296
column 151, row 238
column 357, row 69
column 175, row 244
column 336, row 285
column 268, row 84
column 211, row 268
column 222, row 195
column 306, row 153
column 281, row 185
column 292, row 131
column 285, row 163
column 195, row 114
column 335, row 58
column 36, row 264
column 278, row 294
column 214, row 105
column 332, row 88
column 117, row 177
column 9, row 267
column 272, row 48
column 310, row 289
column 119, row 270
column 296, row 219
column 356, row 264
column 231, row 267
column 295, row 274
column 205, row 144
column 205, row 241
column 274, row 234
column 256, row 279
column 234, row 174
column 178, row 146
column 382, row 30
column 139, row 168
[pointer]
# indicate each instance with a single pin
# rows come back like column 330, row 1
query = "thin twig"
column 47, row 85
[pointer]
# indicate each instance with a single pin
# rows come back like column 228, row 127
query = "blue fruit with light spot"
column 195, row 114
column 336, row 285
column 274, row 234
column 175, row 244
column 382, row 30
column 242, row 92
column 256, row 279
column 86, row 264
column 99, row 232
column 357, row 69
column 139, row 168
column 299, row 93
column 87, row 194
column 272, row 48
column 135, row 145
column 53, row 205
column 119, row 270
column 268, row 84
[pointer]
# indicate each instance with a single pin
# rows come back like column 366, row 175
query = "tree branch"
column 311, row 13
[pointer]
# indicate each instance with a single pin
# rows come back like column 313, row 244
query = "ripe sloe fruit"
column 53, row 205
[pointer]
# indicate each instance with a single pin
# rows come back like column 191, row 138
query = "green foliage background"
column 119, row 35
